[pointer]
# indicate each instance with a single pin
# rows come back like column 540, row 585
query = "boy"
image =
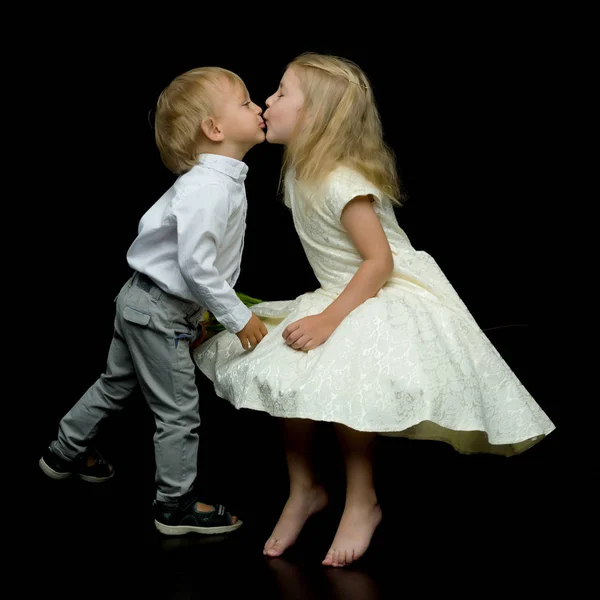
column 186, row 260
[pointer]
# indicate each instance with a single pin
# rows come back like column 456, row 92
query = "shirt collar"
column 224, row 164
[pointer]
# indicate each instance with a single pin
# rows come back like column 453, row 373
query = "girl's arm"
column 364, row 228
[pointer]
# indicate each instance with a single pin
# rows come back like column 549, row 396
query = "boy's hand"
column 253, row 332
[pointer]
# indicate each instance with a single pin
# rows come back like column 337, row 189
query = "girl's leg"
column 361, row 512
column 306, row 497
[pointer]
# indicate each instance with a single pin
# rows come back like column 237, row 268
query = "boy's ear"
column 212, row 129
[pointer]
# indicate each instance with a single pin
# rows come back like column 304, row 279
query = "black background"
column 464, row 109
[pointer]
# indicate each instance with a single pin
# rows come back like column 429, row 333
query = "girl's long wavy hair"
column 339, row 125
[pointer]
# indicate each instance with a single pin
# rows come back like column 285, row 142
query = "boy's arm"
column 202, row 220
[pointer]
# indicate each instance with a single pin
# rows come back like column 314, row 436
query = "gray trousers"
column 150, row 346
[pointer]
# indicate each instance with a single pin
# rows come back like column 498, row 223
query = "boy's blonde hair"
column 180, row 110
column 339, row 125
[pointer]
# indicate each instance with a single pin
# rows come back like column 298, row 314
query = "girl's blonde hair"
column 180, row 110
column 339, row 125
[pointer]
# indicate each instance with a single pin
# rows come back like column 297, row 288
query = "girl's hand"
column 309, row 332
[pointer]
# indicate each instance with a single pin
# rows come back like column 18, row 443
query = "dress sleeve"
column 344, row 185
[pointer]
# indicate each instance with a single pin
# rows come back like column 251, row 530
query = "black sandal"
column 179, row 518
column 57, row 468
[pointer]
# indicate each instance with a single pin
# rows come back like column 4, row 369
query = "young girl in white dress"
column 385, row 345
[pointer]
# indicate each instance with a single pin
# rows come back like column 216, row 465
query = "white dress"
column 409, row 362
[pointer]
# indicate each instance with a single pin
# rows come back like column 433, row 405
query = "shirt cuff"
column 237, row 319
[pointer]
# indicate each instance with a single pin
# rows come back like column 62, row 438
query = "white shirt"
column 190, row 241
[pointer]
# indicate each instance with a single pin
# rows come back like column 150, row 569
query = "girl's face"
column 284, row 108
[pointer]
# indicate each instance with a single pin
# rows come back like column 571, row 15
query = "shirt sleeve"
column 202, row 218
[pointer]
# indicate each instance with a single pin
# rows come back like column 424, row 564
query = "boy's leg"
column 69, row 454
column 107, row 395
column 168, row 381
column 157, row 332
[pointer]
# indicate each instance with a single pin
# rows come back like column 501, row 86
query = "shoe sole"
column 91, row 479
column 183, row 529
column 58, row 476
column 51, row 472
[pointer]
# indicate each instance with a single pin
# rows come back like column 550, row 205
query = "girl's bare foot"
column 354, row 534
column 300, row 506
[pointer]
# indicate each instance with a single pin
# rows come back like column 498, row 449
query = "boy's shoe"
column 181, row 517
column 57, row 468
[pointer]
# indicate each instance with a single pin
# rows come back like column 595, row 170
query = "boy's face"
column 239, row 118
column 284, row 108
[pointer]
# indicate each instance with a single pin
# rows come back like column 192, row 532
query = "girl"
column 385, row 345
